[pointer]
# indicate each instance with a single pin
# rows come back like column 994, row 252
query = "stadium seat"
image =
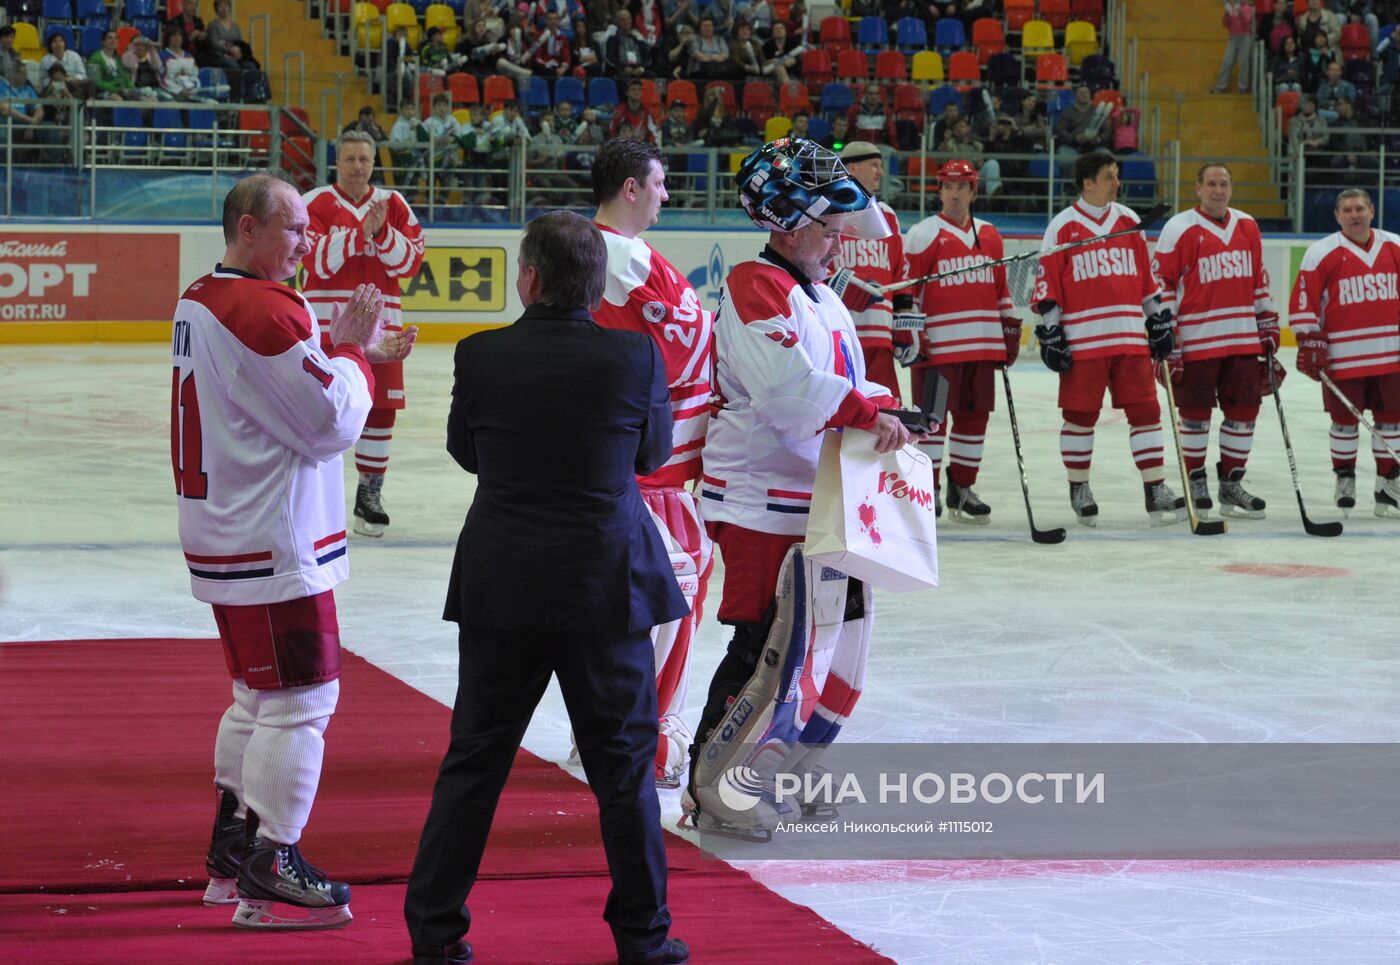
column 836, row 99
column 792, row 97
column 835, row 34
column 651, row 96
column 568, row 89
column 816, row 67
column 27, row 41
column 677, row 90
column 403, row 15
column 63, row 30
column 851, row 64
column 150, row 26
column 497, row 90
column 910, row 34
column 1287, row 104
column 536, row 95
column 1090, row 10
column 602, row 92
column 139, row 8
column 1098, row 71
column 1043, row 169
column 1051, row 70
column 1356, row 41
column 91, row 40
column 1056, row 100
column 726, row 90
column 757, row 94
column 83, row 9
column 927, row 67
column 988, row 38
column 369, row 33
column 964, row 69
column 214, row 79
column 420, row 7
column 463, row 89
column 939, row 96
column 124, row 35
column 1362, row 74
column 130, row 117
column 174, row 8
column 908, row 103
column 1081, row 40
column 259, row 141
column 890, row 66
column 1003, row 70
column 57, row 10
column 819, row 127
column 1055, row 13
column 1139, row 176
column 1037, row 37
column 428, row 85
column 1018, row 13
column 1109, row 97
column 919, row 178
column 440, row 15
column 173, row 136
column 776, row 127
column 873, row 34
column 949, row 34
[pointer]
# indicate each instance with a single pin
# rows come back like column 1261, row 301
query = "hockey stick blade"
column 1045, row 537
column 1208, row 527
column 1321, row 529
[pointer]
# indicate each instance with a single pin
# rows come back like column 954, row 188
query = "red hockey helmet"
column 956, row 171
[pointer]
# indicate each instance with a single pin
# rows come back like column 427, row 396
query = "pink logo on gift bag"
column 890, row 482
column 867, row 515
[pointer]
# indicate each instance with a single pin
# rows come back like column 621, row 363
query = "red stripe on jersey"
column 327, row 540
column 266, row 316
column 789, row 494
column 235, row 558
column 712, row 481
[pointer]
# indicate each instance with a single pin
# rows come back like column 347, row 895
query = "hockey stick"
column 1309, row 527
column 1356, row 413
column 1201, row 527
column 1147, row 219
column 1045, row 536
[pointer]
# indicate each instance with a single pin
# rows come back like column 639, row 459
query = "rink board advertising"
column 88, row 277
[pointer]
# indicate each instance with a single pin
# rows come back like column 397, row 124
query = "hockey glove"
column 909, row 321
column 1011, row 332
column 854, row 293
column 1159, row 334
column 1176, row 368
column 1268, row 332
column 1312, row 355
column 907, row 354
column 1054, row 348
column 1280, row 373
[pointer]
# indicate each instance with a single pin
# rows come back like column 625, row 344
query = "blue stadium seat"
column 939, row 96
column 57, row 10
column 458, row 6
column 100, row 20
column 537, row 94
column 873, row 33
column 84, row 9
column 1056, row 101
column 1139, row 176
column 1043, row 168
column 91, row 41
column 836, row 98
column 818, row 128
column 696, row 164
column 602, row 92
column 140, row 8
column 130, row 117
column 174, row 137
column 214, row 79
column 65, row 30
column 909, row 34
column 949, row 34
column 149, row 26
column 568, row 89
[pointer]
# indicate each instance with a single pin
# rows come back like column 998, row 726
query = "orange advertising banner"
column 88, row 277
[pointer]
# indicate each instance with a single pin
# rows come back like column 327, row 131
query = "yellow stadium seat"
column 403, row 15
column 1037, row 37
column 27, row 41
column 463, row 115
column 928, row 68
column 450, row 36
column 369, row 32
column 439, row 15
column 736, row 161
column 1081, row 40
column 777, row 126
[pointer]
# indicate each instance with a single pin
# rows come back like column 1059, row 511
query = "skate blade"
column 221, row 891
column 1237, row 512
column 369, row 529
column 1203, row 512
column 1166, row 517
column 1090, row 521
column 257, row 913
column 969, row 520
column 1384, row 511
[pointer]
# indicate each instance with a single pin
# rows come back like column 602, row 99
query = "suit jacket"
column 557, row 417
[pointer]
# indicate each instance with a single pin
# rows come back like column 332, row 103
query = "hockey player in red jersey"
column 259, row 417
column 645, row 293
column 969, row 330
column 886, row 325
column 361, row 234
column 1210, row 262
column 1345, row 312
column 787, row 368
column 1092, row 302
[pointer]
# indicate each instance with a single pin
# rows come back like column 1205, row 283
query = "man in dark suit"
column 559, row 569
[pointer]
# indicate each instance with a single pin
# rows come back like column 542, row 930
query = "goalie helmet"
column 956, row 171
column 792, row 182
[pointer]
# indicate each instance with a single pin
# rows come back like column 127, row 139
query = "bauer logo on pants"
column 458, row 280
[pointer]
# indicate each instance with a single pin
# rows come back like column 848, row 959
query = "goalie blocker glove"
column 1312, row 355
column 1054, row 348
column 1160, row 340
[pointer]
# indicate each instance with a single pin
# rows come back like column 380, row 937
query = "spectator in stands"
column 943, row 126
column 587, row 57
column 800, row 123
column 1316, row 57
column 632, row 111
column 409, row 158
column 709, row 52
column 108, row 74
column 401, row 67
column 675, row 129
column 745, row 54
column 869, row 118
column 1317, row 20
column 722, row 12
column 77, row 84
column 1238, row 20
column 446, row 134
column 192, row 32
column 550, row 55
column 647, row 21
column 1332, row 89
column 147, row 69
column 30, row 119
column 225, row 38
column 366, row 121
column 1287, row 68
column 433, row 55
column 1281, row 27
column 678, row 62
column 1355, row 161
column 544, row 163
column 961, row 144
column 507, row 129
column 1032, row 130
column 181, row 77
column 797, row 25
column 567, row 10
column 8, row 55
column 839, row 134
column 57, row 88
column 624, row 54
column 714, row 125
column 679, row 13
column 761, row 18
column 520, row 39
column 1080, row 128
column 782, row 56
column 1308, row 128
column 1362, row 12
column 489, row 11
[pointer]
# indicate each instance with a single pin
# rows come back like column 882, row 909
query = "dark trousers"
column 609, row 689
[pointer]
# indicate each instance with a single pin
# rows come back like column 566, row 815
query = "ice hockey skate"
column 370, row 518
column 1345, row 491
column 1164, row 507
column 277, row 888
column 672, row 751
column 225, row 850
column 965, row 506
column 1388, row 495
column 1200, row 493
column 1081, row 500
column 1235, row 500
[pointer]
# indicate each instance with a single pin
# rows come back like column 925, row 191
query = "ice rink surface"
column 1124, row 633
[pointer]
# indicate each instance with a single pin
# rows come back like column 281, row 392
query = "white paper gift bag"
column 873, row 513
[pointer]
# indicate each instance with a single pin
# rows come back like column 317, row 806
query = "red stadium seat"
column 1055, row 12
column 1356, row 42
column 816, row 67
column 852, row 65
column 1092, row 11
column 890, row 65
column 497, row 90
column 794, row 97
column 988, row 38
column 651, row 97
column 1110, row 97
column 463, row 88
column 684, row 91
column 726, row 89
column 836, row 34
column 1017, row 13
column 1051, row 70
column 963, row 69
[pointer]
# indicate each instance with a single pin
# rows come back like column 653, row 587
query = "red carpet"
column 107, row 764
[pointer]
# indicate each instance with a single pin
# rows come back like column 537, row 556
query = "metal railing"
column 1316, row 175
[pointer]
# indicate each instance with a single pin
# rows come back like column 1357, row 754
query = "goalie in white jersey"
column 788, row 367
column 260, row 415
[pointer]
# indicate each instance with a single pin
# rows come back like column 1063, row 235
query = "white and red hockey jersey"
column 877, row 261
column 1213, row 280
column 1101, row 289
column 963, row 313
column 342, row 256
column 1351, row 295
column 259, row 416
column 787, row 366
column 645, row 293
